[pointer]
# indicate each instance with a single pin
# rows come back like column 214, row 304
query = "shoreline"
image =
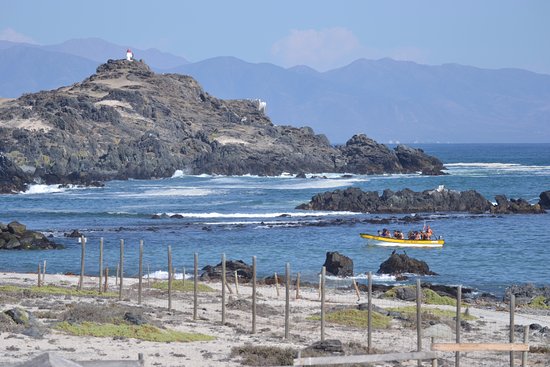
column 490, row 324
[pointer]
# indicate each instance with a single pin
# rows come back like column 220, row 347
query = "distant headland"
column 125, row 122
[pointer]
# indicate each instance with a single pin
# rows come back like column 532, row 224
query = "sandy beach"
column 489, row 324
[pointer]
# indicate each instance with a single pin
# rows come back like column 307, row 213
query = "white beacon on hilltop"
column 129, row 55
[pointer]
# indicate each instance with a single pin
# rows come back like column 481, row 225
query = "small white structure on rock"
column 129, row 55
column 262, row 105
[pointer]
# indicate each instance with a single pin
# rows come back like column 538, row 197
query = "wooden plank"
column 480, row 347
column 367, row 358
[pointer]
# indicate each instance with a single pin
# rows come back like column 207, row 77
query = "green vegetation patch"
column 355, row 318
column 181, row 286
column 55, row 290
column 264, row 356
column 428, row 296
column 142, row 332
column 409, row 312
column 539, row 302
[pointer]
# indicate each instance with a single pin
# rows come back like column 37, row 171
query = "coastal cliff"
column 125, row 121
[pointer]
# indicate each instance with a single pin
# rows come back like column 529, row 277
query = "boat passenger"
column 386, row 232
column 429, row 232
column 417, row 235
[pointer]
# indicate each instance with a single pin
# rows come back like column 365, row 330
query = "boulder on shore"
column 338, row 264
column 544, row 201
column 398, row 264
column 244, row 271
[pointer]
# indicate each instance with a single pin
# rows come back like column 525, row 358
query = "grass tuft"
column 539, row 302
column 181, row 286
column 142, row 332
column 355, row 318
column 55, row 290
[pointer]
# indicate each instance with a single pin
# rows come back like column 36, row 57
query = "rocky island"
column 440, row 199
column 125, row 121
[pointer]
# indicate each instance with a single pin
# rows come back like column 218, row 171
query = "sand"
column 491, row 325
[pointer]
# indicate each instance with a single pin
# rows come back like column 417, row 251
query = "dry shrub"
column 264, row 356
column 102, row 314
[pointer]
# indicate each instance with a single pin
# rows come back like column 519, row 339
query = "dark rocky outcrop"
column 407, row 201
column 338, row 264
column 544, row 201
column 398, row 264
column 15, row 236
column 244, row 271
column 526, row 293
column 125, row 121
column 12, row 178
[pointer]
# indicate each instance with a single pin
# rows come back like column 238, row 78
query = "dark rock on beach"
column 407, row 201
column 125, row 122
column 398, row 264
column 244, row 271
column 15, row 236
column 338, row 264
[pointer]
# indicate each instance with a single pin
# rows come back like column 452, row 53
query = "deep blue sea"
column 243, row 216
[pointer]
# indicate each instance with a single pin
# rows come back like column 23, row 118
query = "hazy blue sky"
column 318, row 33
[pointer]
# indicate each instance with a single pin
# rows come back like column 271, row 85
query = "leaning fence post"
column 356, row 290
column 223, row 289
column 236, row 277
column 121, row 272
column 82, row 253
column 100, row 263
column 419, row 318
column 323, row 272
column 140, row 271
column 276, row 284
column 512, row 325
column 195, row 285
column 169, row 278
column 287, row 301
column 525, row 341
column 458, row 305
column 369, row 315
column 254, row 294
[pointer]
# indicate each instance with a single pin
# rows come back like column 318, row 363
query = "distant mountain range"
column 388, row 100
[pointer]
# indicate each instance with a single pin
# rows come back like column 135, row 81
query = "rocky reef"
column 125, row 121
column 407, row 201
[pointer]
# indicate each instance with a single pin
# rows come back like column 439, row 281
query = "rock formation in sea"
column 544, row 201
column 125, row 121
column 338, row 264
column 407, row 201
column 15, row 236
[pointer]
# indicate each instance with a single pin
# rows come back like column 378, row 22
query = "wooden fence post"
column 82, row 256
column 223, row 289
column 419, row 318
column 287, row 301
column 100, row 263
column 525, row 341
column 169, row 278
column 106, row 279
column 356, row 290
column 369, row 315
column 323, row 273
column 121, row 271
column 183, row 278
column 276, row 284
column 148, row 276
column 236, row 282
column 512, row 325
column 298, row 285
column 44, row 274
column 254, row 294
column 195, row 284
column 140, row 271
column 458, row 310
column 39, row 272
column 117, row 277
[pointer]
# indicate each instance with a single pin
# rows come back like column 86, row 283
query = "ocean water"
column 245, row 216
